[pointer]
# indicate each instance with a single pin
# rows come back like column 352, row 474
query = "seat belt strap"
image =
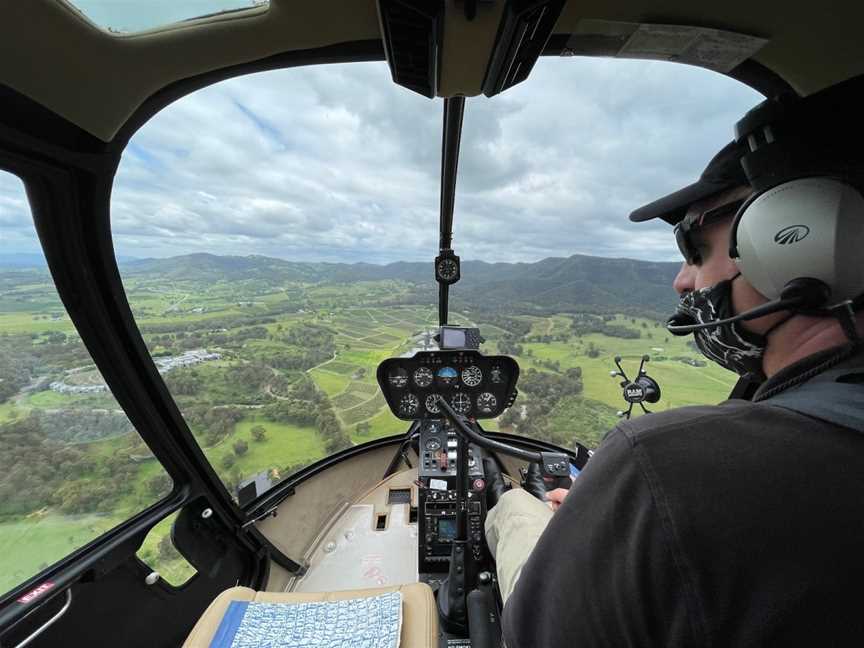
column 827, row 398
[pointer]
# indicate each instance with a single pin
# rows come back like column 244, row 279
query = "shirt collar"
column 845, row 355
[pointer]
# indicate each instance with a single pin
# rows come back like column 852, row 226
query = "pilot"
column 738, row 524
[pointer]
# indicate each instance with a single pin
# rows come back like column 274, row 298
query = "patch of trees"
column 309, row 336
column 363, row 428
column 297, row 359
column 184, row 381
column 508, row 345
column 516, row 327
column 210, row 324
column 293, row 411
column 80, row 425
column 585, row 323
column 249, row 333
column 212, row 423
column 40, row 472
column 15, row 371
column 544, row 390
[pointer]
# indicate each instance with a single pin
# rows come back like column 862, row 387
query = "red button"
column 479, row 484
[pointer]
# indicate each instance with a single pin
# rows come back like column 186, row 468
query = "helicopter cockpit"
column 230, row 445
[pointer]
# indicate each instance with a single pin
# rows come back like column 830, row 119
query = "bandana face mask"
column 729, row 345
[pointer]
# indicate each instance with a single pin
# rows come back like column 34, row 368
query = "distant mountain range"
column 554, row 283
column 561, row 284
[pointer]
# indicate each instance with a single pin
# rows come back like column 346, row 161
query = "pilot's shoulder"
column 696, row 419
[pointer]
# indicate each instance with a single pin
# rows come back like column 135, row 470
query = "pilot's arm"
column 604, row 573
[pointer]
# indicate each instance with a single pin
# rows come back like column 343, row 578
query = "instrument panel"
column 474, row 385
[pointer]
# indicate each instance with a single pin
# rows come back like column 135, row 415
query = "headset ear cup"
column 733, row 233
column 806, row 228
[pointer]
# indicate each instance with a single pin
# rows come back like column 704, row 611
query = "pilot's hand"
column 556, row 497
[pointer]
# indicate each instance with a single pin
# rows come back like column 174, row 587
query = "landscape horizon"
column 272, row 364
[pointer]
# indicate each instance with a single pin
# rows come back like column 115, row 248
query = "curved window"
column 71, row 464
column 276, row 232
column 549, row 172
column 254, row 221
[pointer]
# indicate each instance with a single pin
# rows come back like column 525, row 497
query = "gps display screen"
column 452, row 338
column 446, row 528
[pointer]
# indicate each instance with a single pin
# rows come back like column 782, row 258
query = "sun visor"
column 522, row 35
column 412, row 31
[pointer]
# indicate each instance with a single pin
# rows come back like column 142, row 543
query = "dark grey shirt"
column 740, row 524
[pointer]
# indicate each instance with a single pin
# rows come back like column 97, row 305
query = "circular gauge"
column 433, row 444
column 486, row 402
column 432, row 403
column 461, row 403
column 496, row 375
column 398, row 377
column 423, row 377
column 448, row 269
column 447, row 375
column 408, row 405
column 472, row 376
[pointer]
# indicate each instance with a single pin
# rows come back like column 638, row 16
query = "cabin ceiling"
column 96, row 79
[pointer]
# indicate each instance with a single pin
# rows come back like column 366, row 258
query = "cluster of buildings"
column 164, row 365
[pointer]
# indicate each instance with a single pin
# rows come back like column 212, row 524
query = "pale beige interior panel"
column 96, row 79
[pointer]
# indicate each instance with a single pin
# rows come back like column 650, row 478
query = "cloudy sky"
column 337, row 163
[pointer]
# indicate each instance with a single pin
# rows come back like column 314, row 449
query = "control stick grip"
column 483, row 625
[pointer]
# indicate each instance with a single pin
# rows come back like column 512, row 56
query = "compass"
column 447, row 267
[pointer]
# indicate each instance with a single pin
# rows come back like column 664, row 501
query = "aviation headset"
column 799, row 238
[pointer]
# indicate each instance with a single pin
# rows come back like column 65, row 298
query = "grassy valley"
column 273, row 366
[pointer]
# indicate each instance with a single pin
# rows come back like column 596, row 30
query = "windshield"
column 276, row 236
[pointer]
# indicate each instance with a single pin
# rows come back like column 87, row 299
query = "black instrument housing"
column 504, row 391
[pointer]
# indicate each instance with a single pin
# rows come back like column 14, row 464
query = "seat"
column 419, row 612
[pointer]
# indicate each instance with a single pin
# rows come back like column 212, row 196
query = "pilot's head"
column 702, row 215
column 775, row 222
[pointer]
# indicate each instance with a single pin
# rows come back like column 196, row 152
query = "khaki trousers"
column 513, row 527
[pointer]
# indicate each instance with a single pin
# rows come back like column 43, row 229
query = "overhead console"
column 474, row 385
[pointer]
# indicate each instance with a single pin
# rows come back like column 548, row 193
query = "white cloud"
column 337, row 163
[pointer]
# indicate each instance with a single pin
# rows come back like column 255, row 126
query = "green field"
column 29, row 545
column 270, row 351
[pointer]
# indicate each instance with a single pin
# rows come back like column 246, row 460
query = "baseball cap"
column 723, row 172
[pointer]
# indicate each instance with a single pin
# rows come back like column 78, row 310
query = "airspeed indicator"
column 423, row 377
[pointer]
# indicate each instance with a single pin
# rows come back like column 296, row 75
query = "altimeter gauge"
column 398, row 378
column 486, row 402
column 408, row 405
column 472, row 376
column 461, row 403
column 432, row 403
column 423, row 377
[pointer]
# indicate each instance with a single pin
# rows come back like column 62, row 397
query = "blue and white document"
column 373, row 622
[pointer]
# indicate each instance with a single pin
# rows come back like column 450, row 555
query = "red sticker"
column 33, row 594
